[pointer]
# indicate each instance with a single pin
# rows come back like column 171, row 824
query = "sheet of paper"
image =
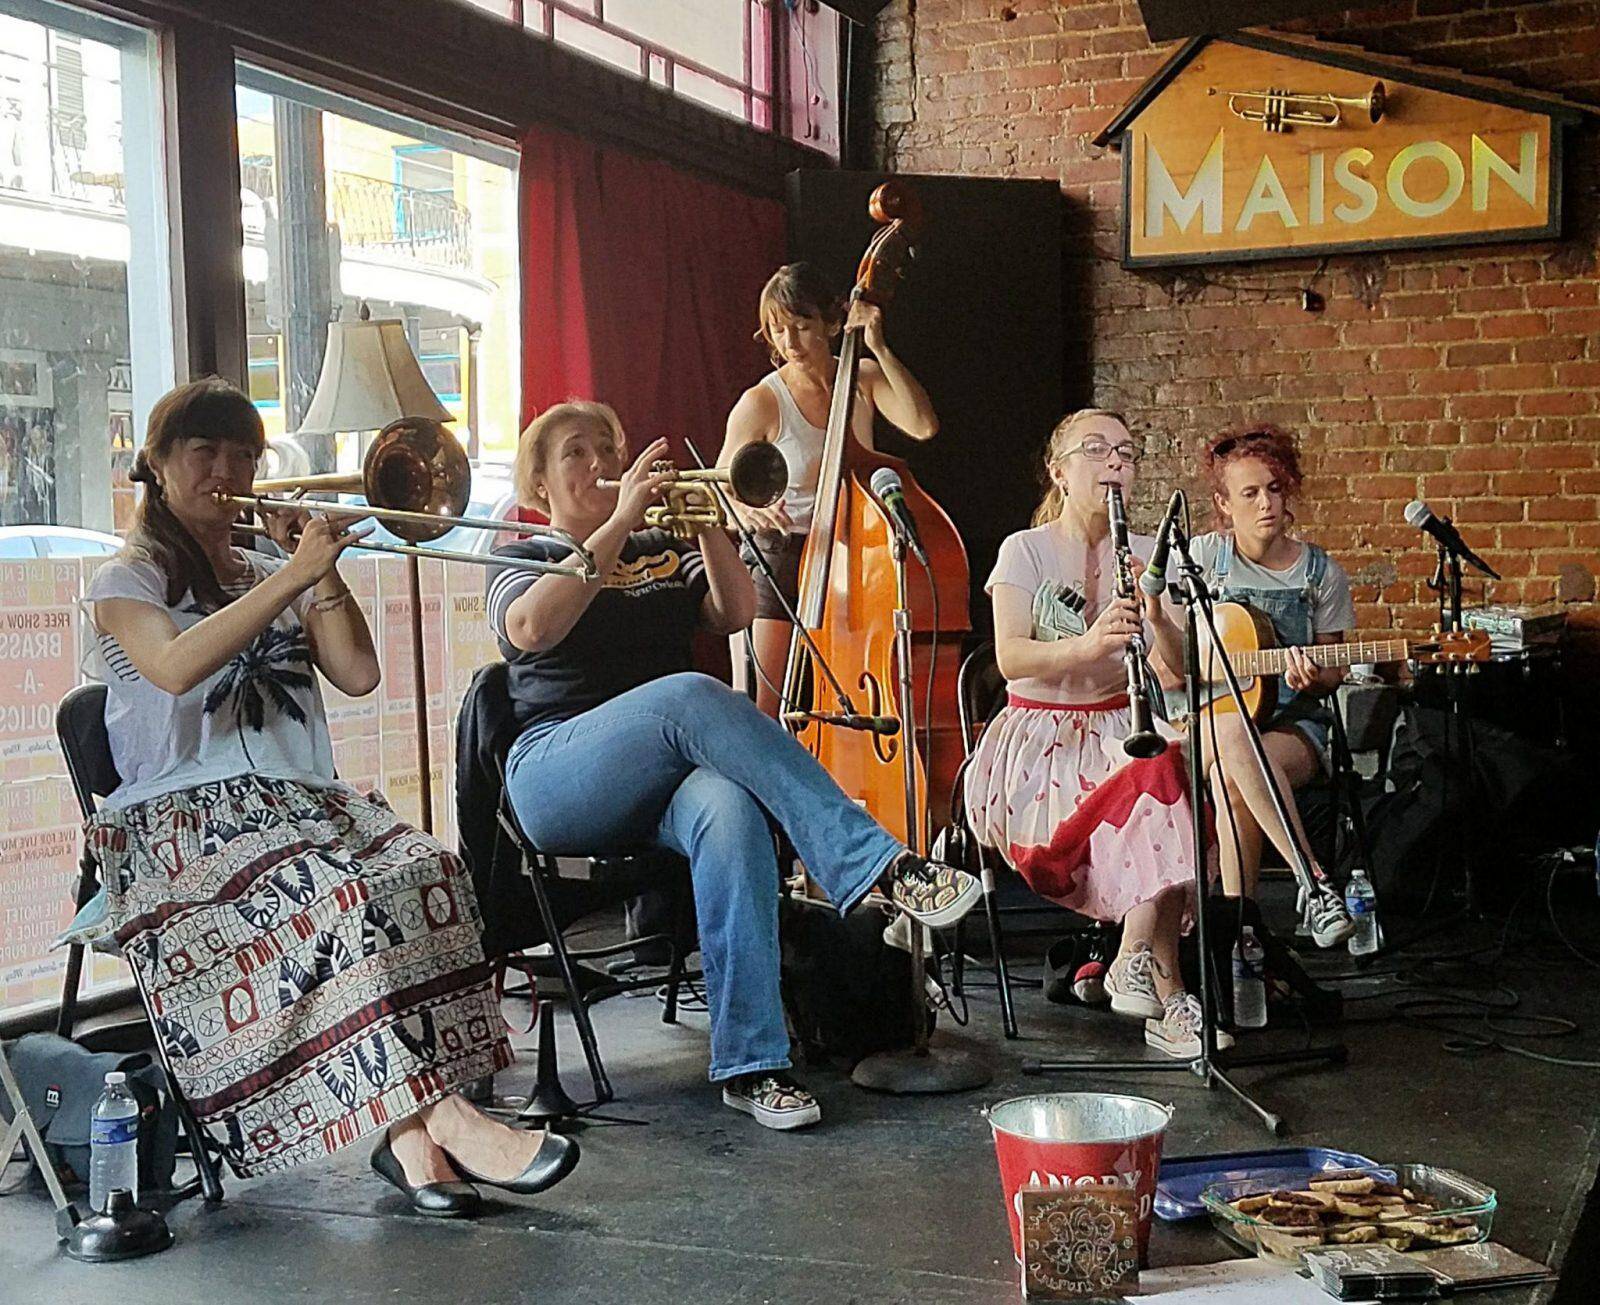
column 1236, row 1282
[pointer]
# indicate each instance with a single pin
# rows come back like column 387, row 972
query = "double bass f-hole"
column 884, row 745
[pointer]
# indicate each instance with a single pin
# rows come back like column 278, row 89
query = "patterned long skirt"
column 1086, row 825
column 312, row 964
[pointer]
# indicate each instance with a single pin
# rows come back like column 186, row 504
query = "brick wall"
column 1468, row 377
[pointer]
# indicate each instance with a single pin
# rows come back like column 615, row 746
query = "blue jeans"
column 687, row 764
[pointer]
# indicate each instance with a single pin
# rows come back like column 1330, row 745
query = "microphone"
column 845, row 720
column 1154, row 579
column 886, row 485
column 1421, row 516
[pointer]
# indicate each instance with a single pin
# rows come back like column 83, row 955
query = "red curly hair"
column 1262, row 440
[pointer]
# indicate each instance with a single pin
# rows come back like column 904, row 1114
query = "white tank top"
column 801, row 445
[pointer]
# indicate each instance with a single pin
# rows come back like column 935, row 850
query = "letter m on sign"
column 1162, row 196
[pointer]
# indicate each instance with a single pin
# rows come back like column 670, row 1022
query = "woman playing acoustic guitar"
column 1254, row 475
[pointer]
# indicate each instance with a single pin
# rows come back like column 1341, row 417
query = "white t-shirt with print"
column 261, row 713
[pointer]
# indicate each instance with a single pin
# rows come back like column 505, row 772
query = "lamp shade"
column 370, row 377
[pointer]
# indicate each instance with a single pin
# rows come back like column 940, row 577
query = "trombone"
column 1279, row 110
column 756, row 475
column 416, row 477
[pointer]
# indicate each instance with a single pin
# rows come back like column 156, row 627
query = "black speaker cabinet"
column 978, row 321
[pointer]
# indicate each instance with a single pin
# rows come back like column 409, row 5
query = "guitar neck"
column 1275, row 661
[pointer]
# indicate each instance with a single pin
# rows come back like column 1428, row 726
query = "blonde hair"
column 533, row 446
column 1060, row 442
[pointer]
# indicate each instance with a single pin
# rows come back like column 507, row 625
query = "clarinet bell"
column 1144, row 745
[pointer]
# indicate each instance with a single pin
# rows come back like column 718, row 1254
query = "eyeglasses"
column 1097, row 450
column 1222, row 448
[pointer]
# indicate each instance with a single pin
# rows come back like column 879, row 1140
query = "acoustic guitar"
column 1258, row 660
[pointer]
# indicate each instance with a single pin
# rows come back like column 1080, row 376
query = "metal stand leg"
column 1002, row 976
column 22, row 1126
column 569, row 977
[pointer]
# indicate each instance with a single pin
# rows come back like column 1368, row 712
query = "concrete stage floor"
column 889, row 1200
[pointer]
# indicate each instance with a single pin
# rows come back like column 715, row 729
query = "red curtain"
column 639, row 288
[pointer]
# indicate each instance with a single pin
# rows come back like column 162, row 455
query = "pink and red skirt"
column 1087, row 826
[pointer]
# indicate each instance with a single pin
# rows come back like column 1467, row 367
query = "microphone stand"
column 747, row 537
column 1207, row 1066
column 921, row 1069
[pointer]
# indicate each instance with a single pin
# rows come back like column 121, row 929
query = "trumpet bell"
column 758, row 474
column 416, row 465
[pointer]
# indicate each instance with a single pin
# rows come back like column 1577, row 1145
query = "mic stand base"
column 1207, row 1066
column 932, row 1071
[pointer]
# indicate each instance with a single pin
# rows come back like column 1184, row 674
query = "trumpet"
column 757, row 476
column 1142, row 740
column 1278, row 110
column 415, row 478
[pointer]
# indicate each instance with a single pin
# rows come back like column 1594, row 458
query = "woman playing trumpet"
column 314, row 964
column 622, row 745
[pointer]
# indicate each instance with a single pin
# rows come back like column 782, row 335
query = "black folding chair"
column 603, row 880
column 980, row 693
column 81, row 728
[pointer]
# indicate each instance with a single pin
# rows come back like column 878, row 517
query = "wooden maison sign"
column 1252, row 146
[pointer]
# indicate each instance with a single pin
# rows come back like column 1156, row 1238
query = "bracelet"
column 333, row 602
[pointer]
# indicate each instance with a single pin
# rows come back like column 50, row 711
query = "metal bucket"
column 1078, row 1139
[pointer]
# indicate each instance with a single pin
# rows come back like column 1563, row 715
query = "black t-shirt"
column 637, row 629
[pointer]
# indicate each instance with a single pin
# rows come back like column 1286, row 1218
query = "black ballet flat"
column 436, row 1200
column 556, row 1157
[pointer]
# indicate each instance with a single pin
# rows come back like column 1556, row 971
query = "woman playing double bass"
column 800, row 317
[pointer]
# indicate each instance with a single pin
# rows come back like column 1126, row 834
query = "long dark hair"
column 209, row 408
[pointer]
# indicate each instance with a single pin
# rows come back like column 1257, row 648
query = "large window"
column 85, row 349
column 344, row 205
column 85, row 310
column 718, row 52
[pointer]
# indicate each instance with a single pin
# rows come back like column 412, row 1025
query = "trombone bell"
column 1279, row 110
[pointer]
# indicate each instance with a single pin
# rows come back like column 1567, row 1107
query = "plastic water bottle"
column 114, row 1142
column 1249, row 983
column 1362, row 903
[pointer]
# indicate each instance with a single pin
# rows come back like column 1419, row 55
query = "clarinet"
column 1142, row 740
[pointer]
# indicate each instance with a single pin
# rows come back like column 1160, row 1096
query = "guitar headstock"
column 1452, row 648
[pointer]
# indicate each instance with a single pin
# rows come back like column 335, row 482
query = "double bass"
column 848, row 589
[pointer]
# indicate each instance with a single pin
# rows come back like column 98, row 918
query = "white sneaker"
column 1177, row 1032
column 1131, row 984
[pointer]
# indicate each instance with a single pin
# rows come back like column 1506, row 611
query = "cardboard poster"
column 39, row 837
column 356, row 717
column 38, row 661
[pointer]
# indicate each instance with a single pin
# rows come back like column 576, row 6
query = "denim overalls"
column 1292, row 613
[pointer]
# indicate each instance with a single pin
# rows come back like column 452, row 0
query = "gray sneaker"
column 1177, row 1032
column 1131, row 984
column 1330, row 924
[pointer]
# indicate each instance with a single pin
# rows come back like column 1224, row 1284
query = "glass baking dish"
column 1465, row 1212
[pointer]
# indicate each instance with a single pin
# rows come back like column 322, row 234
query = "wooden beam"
column 459, row 66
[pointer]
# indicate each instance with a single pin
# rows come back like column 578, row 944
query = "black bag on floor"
column 61, row 1081
column 846, row 992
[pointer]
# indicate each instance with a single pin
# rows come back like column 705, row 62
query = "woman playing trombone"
column 314, row 963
